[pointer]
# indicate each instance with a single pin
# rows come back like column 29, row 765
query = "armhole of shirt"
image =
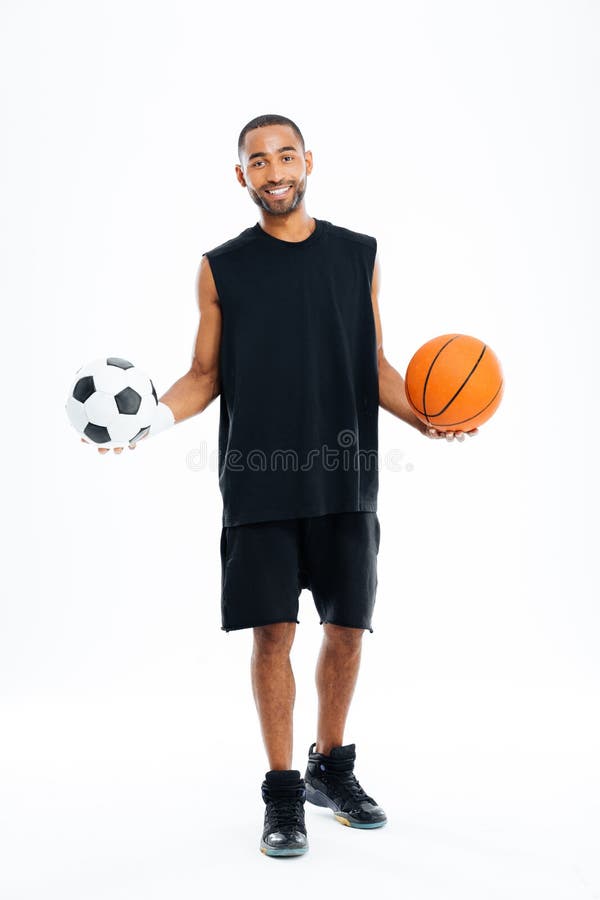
column 216, row 278
column 374, row 249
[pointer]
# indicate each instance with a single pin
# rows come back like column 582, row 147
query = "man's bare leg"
column 336, row 675
column 274, row 689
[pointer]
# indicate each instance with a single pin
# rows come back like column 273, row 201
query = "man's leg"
column 330, row 780
column 274, row 689
column 336, row 674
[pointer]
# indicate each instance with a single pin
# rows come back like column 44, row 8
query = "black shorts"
column 265, row 566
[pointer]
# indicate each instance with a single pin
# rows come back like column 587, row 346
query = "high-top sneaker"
column 330, row 781
column 284, row 832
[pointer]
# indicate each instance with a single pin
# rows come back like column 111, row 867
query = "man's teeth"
column 279, row 191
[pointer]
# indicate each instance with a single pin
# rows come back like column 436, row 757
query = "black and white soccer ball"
column 111, row 402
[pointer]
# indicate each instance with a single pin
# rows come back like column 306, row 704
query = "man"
column 290, row 339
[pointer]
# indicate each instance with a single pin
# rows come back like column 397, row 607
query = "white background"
column 465, row 137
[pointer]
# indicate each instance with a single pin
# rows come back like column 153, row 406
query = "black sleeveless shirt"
column 299, row 403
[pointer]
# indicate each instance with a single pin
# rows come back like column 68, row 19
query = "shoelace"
column 340, row 773
column 286, row 806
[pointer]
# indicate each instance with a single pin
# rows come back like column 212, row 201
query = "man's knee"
column 342, row 635
column 275, row 638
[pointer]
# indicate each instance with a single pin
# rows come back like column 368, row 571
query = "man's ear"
column 239, row 173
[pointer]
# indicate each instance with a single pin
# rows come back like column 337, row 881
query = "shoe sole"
column 318, row 798
column 282, row 851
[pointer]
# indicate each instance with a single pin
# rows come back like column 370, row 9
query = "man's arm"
column 392, row 391
column 199, row 387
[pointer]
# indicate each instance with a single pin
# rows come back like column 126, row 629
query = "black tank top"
column 299, row 403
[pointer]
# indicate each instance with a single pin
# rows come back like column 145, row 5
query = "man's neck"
column 288, row 228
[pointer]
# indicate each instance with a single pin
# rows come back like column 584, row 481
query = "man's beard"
column 279, row 208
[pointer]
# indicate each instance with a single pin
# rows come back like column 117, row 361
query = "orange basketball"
column 454, row 382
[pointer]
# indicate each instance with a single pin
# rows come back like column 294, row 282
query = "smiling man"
column 290, row 339
column 302, row 376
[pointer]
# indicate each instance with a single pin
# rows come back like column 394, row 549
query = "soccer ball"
column 111, row 402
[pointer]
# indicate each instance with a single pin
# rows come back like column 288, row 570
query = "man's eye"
column 261, row 160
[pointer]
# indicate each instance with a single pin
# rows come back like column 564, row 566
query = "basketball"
column 454, row 382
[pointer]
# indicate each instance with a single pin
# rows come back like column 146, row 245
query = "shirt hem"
column 276, row 515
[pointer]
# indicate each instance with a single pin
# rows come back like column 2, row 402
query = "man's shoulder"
column 347, row 234
column 235, row 243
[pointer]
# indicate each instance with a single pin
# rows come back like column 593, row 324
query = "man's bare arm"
column 200, row 386
column 392, row 391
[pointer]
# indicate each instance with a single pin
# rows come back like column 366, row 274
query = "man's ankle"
column 324, row 748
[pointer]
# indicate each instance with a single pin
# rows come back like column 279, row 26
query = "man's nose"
column 277, row 176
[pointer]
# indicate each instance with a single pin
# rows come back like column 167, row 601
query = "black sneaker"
column 284, row 833
column 330, row 782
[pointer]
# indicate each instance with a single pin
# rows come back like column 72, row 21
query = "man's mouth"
column 278, row 192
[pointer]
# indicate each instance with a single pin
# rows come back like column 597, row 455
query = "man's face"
column 272, row 159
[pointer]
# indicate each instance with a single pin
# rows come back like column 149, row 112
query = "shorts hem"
column 345, row 625
column 258, row 624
